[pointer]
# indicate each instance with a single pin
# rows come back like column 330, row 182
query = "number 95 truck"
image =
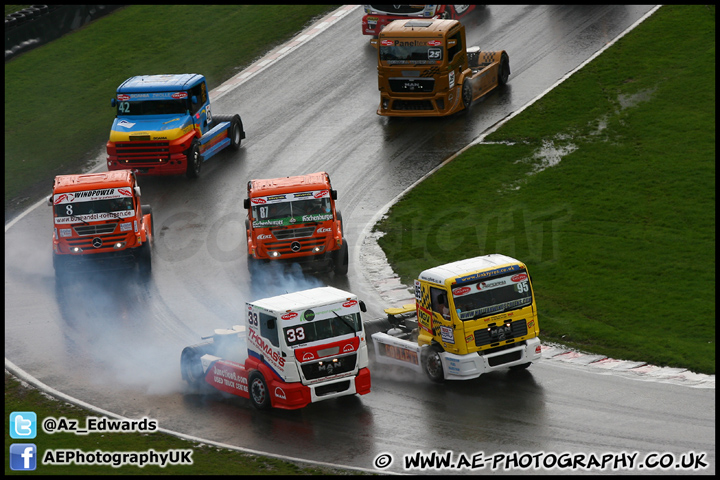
column 164, row 126
column 294, row 349
column 471, row 317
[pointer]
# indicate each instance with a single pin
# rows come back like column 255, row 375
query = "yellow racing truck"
column 425, row 69
column 469, row 317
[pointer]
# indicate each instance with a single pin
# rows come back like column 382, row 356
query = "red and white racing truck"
column 377, row 16
column 294, row 349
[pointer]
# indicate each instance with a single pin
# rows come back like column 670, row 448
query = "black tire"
column 524, row 366
column 194, row 161
column 341, row 259
column 144, row 259
column 432, row 363
column 191, row 368
column 235, row 132
column 504, row 69
column 467, row 95
column 259, row 393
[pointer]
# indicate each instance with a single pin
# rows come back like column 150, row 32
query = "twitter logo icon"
column 23, row 425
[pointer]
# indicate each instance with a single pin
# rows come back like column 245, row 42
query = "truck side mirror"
column 137, row 190
column 246, row 203
column 363, row 308
column 113, row 102
column 50, row 201
column 193, row 99
column 333, row 194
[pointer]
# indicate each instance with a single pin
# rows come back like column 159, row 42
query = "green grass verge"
column 207, row 459
column 619, row 234
column 57, row 97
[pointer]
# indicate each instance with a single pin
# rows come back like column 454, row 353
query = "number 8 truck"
column 470, row 317
column 294, row 349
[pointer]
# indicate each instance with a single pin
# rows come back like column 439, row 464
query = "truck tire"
column 341, row 259
column 467, row 94
column 144, row 259
column 235, row 132
column 194, row 161
column 259, row 394
column 504, row 69
column 191, row 368
column 432, row 363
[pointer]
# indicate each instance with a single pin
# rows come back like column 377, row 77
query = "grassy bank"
column 57, row 97
column 606, row 189
column 207, row 459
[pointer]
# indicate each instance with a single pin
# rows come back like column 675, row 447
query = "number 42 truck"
column 164, row 126
column 471, row 317
column 293, row 350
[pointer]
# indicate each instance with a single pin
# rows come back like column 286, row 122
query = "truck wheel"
column 259, row 394
column 144, row 259
column 432, row 363
column 504, row 72
column 191, row 368
column 341, row 259
column 194, row 162
column 467, row 93
column 235, row 132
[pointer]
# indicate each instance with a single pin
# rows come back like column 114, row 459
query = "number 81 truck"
column 471, row 317
column 294, row 349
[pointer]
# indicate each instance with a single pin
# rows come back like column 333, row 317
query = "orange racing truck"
column 164, row 126
column 295, row 220
column 378, row 16
column 293, row 350
column 469, row 317
column 98, row 218
column 425, row 69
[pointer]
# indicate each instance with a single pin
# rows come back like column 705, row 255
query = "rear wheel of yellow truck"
column 504, row 69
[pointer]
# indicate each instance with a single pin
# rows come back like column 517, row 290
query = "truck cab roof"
column 410, row 28
column 112, row 179
column 466, row 268
column 311, row 181
column 160, row 83
column 305, row 299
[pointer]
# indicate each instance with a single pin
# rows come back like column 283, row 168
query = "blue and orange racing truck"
column 164, row 126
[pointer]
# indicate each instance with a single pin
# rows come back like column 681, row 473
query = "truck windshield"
column 410, row 52
column 123, row 206
column 322, row 329
column 153, row 107
column 495, row 295
column 292, row 212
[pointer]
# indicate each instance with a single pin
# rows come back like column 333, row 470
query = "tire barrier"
column 39, row 24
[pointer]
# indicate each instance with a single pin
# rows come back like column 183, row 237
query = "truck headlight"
column 318, row 249
column 119, row 245
column 76, row 250
column 274, row 254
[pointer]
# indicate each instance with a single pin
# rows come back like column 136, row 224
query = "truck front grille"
column 142, row 152
column 327, row 367
column 338, row 387
column 486, row 336
column 398, row 9
column 102, row 229
column 412, row 85
column 412, row 105
column 286, row 233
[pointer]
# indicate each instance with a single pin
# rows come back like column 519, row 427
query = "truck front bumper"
column 465, row 367
column 438, row 105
